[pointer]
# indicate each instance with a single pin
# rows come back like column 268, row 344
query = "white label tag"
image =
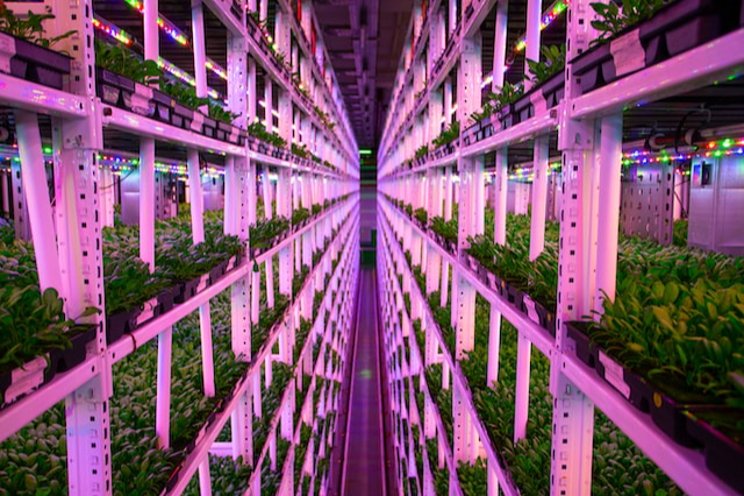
column 148, row 311
column 628, row 53
column 7, row 50
column 531, row 313
column 140, row 104
column 202, row 283
column 230, row 264
column 538, row 102
column 613, row 374
column 196, row 123
column 25, row 379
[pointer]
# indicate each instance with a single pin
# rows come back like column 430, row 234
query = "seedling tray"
column 32, row 62
column 496, row 283
column 585, row 348
column 538, row 313
column 723, row 445
column 64, row 360
column 192, row 288
column 119, row 324
column 668, row 408
column 120, row 91
column 628, row 383
column 17, row 383
column 676, row 28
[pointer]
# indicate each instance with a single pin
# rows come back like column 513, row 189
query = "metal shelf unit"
column 444, row 45
column 72, row 261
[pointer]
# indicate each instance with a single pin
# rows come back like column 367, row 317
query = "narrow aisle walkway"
column 364, row 467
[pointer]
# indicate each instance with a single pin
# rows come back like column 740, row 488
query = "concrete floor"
column 364, row 453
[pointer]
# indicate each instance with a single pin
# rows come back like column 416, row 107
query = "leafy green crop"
column 258, row 130
column 448, row 135
column 120, row 60
column 619, row 466
column 553, row 60
column 613, row 19
column 30, row 27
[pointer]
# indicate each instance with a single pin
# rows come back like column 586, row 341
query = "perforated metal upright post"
column 573, row 412
column 79, row 244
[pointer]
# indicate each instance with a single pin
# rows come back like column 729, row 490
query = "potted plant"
column 126, row 81
column 30, row 54
column 547, row 73
column 654, row 28
column 39, row 340
column 719, row 431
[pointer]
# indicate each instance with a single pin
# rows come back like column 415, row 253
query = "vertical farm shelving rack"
column 456, row 51
column 314, row 258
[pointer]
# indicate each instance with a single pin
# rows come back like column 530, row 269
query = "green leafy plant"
column 421, row 215
column 552, row 61
column 613, row 19
column 508, row 94
column 679, row 235
column 118, row 59
column 422, row 151
column 448, row 135
column 619, row 467
column 300, row 150
column 30, row 27
column 258, row 130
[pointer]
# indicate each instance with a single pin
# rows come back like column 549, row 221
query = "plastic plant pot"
column 514, row 295
column 523, row 108
column 686, row 24
column 181, row 116
column 595, row 68
column 166, row 298
column 216, row 273
column 209, row 127
column 35, row 63
column 120, row 323
column 495, row 282
column 723, row 444
column 17, row 383
column 632, row 386
column 553, row 89
column 64, row 360
column 670, row 400
column 192, row 288
column 163, row 106
column 111, row 87
column 578, row 331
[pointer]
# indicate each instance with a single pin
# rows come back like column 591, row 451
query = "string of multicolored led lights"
column 168, row 27
column 178, row 36
column 550, row 15
column 716, row 148
column 123, row 37
column 526, row 174
column 114, row 32
column 121, row 163
column 117, row 162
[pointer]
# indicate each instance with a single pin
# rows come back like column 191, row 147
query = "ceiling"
column 364, row 39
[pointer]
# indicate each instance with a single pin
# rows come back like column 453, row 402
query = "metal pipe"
column 33, row 179
column 150, row 26
column 200, row 49
column 162, row 401
column 146, row 200
column 539, row 196
column 501, row 191
column 532, row 48
column 499, row 45
column 522, row 392
column 609, row 213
